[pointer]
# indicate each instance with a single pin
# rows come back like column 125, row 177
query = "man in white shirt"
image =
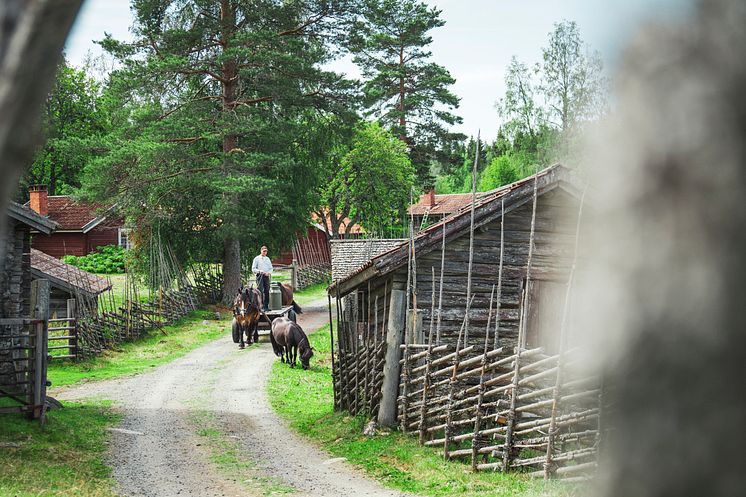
column 262, row 268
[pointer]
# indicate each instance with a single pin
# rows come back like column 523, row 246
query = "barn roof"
column 31, row 218
column 487, row 208
column 65, row 276
column 349, row 255
column 445, row 204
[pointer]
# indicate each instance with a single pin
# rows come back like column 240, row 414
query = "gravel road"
column 156, row 452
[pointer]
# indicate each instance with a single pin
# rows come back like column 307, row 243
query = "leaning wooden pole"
column 440, row 290
column 511, row 417
column 471, row 236
column 428, row 361
column 500, row 275
column 480, row 396
column 331, row 345
column 557, row 393
column 452, row 386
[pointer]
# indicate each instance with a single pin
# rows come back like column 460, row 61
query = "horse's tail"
column 275, row 346
column 297, row 308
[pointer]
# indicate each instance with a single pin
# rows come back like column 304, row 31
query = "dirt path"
column 155, row 452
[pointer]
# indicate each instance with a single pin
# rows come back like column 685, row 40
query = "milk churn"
column 275, row 296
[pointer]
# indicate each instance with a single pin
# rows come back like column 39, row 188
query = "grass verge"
column 196, row 329
column 66, row 458
column 305, row 400
column 311, row 293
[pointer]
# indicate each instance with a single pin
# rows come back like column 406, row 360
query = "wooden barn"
column 447, row 244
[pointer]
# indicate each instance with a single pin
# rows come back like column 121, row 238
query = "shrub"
column 108, row 259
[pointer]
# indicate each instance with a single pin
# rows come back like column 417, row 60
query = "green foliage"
column 222, row 124
column 372, row 181
column 505, row 169
column 107, row 259
column 67, row 457
column 73, row 121
column 402, row 88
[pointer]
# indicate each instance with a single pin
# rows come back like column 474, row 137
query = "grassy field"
column 66, row 458
column 311, row 293
column 305, row 400
column 157, row 348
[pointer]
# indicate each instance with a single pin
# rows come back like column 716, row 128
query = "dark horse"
column 246, row 313
column 289, row 338
column 287, row 299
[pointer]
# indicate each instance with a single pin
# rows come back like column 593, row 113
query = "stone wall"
column 15, row 289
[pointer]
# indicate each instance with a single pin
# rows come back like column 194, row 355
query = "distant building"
column 82, row 226
column 433, row 207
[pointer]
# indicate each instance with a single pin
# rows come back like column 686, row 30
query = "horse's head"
column 306, row 352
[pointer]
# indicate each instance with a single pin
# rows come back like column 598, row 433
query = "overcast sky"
column 475, row 45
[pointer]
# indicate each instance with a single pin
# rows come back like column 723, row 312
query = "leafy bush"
column 108, row 259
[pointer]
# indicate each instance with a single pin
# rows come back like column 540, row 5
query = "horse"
column 287, row 299
column 246, row 313
column 288, row 337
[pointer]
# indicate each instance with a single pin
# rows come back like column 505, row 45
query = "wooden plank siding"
column 554, row 245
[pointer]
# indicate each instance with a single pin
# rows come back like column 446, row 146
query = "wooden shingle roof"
column 65, row 276
column 349, row 255
column 487, row 208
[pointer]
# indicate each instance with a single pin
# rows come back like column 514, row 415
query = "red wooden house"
column 82, row 226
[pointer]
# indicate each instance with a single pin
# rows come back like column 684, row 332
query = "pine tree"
column 406, row 91
column 219, row 94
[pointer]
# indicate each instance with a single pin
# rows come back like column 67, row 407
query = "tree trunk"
column 231, row 269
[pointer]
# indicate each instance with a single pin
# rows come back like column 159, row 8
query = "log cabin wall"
column 554, row 237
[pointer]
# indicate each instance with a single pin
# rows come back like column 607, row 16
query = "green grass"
column 305, row 400
column 311, row 293
column 228, row 457
column 135, row 357
column 65, row 458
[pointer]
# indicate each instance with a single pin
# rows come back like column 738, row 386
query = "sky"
column 475, row 45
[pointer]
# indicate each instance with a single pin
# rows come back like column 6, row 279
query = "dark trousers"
column 262, row 284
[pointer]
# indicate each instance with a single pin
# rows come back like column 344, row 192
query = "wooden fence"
column 358, row 371
column 523, row 410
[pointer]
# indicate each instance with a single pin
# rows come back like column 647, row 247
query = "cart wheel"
column 292, row 316
column 236, row 329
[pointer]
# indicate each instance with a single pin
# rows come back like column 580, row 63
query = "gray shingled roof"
column 65, row 276
column 31, row 218
column 350, row 255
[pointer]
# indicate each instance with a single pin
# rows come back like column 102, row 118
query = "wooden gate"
column 23, row 366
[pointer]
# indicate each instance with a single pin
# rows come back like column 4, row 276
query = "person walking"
column 262, row 268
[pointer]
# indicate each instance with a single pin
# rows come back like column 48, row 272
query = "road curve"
column 155, row 452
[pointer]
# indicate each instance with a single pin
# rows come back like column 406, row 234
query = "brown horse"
column 287, row 299
column 246, row 313
column 288, row 338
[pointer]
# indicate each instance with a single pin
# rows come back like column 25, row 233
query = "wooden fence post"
column 294, row 274
column 394, row 338
column 40, row 306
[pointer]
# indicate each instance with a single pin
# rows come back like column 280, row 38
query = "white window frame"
column 126, row 232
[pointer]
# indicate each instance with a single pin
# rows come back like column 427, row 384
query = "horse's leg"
column 294, row 352
column 256, row 329
column 240, row 332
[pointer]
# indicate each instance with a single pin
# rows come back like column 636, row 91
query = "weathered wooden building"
column 15, row 294
column 66, row 282
column 558, row 197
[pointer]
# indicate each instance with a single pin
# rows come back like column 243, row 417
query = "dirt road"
column 156, row 452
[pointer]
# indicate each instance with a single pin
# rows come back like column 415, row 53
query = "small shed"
column 66, row 282
column 558, row 198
